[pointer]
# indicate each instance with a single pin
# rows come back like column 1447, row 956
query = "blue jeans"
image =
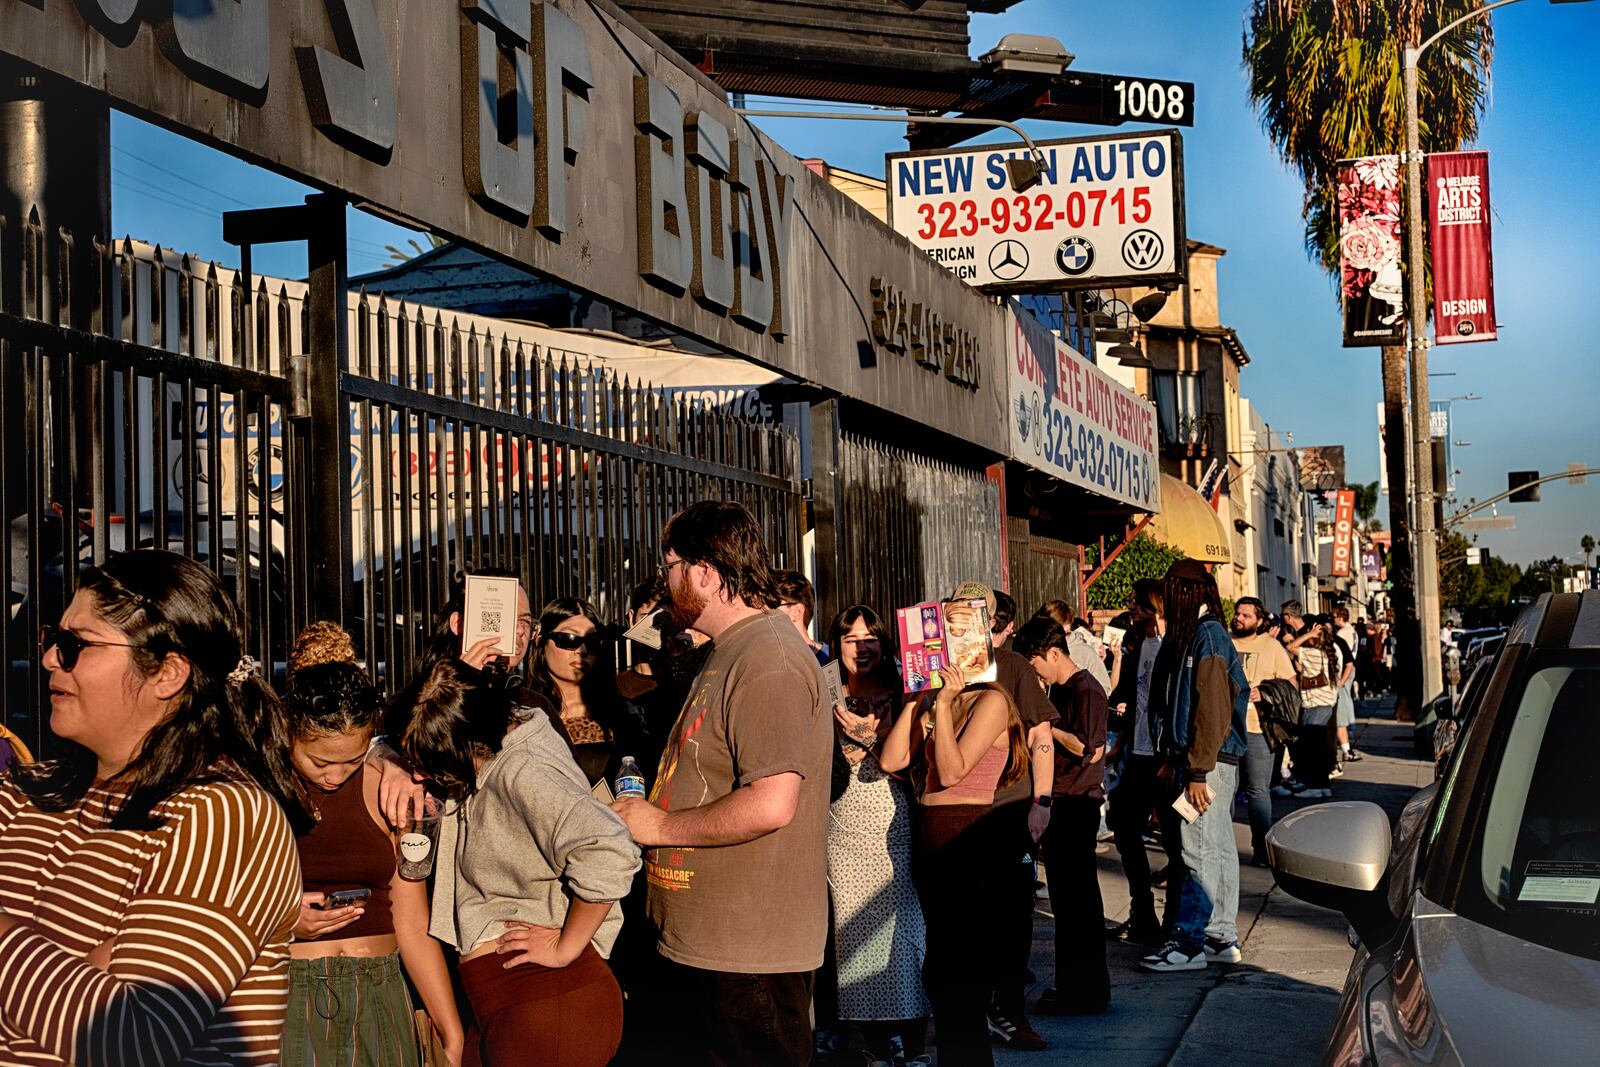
column 1256, row 771
column 1209, row 904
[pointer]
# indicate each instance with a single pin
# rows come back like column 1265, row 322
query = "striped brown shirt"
column 201, row 910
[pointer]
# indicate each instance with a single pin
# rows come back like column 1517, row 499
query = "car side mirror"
column 1337, row 856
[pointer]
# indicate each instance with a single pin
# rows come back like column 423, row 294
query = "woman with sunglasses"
column 574, row 670
column 348, row 1004
column 528, row 874
column 148, row 877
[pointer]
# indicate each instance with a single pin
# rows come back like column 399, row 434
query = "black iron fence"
column 181, row 421
column 912, row 527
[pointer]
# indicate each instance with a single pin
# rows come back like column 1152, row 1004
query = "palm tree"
column 1366, row 503
column 1325, row 77
column 1587, row 544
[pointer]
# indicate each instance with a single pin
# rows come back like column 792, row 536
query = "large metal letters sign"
column 553, row 135
column 1108, row 212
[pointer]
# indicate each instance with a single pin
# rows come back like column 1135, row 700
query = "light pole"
column 1426, row 560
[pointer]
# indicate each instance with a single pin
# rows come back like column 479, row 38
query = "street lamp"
column 1024, row 173
column 1427, row 547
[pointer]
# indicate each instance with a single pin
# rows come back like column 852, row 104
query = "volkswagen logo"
column 1142, row 249
column 1008, row 260
column 1074, row 256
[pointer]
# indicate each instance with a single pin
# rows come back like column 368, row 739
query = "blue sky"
column 1538, row 410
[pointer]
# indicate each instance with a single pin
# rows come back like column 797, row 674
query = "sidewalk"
column 1275, row 1008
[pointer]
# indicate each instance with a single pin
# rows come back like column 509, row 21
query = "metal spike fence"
column 917, row 526
column 172, row 422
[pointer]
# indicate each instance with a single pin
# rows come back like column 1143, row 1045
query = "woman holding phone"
column 962, row 744
column 360, row 922
column 878, row 934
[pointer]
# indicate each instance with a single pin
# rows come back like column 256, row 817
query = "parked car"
column 1478, row 916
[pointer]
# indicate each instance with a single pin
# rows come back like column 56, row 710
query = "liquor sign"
column 1463, row 262
column 1370, row 280
column 1109, row 211
column 1344, row 513
column 1070, row 419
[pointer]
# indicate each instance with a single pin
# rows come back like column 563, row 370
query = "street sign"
column 1108, row 212
column 1493, row 522
column 1113, row 99
column 1577, row 474
column 1474, row 557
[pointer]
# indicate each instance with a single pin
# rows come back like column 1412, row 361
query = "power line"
column 174, row 174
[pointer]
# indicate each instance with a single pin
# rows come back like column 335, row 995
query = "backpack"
column 1279, row 710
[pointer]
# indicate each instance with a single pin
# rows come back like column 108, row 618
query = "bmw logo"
column 1074, row 256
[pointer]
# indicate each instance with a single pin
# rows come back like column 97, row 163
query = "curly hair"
column 321, row 642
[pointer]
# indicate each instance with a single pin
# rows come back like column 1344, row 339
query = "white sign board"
column 1109, row 211
column 1072, row 420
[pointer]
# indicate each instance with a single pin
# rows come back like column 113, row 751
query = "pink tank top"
column 979, row 784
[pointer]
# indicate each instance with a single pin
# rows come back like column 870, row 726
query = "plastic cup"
column 419, row 841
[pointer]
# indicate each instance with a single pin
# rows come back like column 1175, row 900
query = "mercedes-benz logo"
column 1142, row 249
column 1008, row 260
column 1074, row 256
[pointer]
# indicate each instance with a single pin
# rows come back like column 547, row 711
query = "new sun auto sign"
column 1108, row 212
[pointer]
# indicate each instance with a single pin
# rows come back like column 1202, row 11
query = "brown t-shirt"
column 757, row 708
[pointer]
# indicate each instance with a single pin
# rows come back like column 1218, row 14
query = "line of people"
column 212, row 874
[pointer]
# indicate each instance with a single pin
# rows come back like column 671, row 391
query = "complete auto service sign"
column 1109, row 211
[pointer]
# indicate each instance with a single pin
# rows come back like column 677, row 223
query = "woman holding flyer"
column 878, row 934
column 962, row 743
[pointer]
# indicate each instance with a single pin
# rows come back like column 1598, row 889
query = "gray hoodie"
column 529, row 835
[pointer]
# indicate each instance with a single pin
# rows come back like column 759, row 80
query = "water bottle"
column 630, row 780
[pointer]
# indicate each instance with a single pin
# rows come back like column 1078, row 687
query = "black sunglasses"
column 572, row 642
column 69, row 646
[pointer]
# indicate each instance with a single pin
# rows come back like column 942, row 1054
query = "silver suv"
column 1479, row 917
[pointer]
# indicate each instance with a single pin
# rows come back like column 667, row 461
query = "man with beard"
column 735, row 828
column 1264, row 657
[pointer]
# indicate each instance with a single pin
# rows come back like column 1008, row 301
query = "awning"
column 1188, row 523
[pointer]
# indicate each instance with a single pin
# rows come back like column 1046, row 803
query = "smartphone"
column 345, row 897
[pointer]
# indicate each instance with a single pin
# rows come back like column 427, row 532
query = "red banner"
column 1463, row 266
column 1344, row 515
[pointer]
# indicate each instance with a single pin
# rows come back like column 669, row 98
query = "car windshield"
column 1539, row 857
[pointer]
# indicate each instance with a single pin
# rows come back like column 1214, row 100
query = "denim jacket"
column 1207, row 699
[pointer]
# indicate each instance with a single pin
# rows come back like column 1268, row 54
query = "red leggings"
column 530, row 1014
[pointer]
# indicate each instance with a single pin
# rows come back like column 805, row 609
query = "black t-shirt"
column 1083, row 708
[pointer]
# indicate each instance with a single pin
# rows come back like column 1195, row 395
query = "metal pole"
column 826, row 504
column 1425, row 547
column 328, row 544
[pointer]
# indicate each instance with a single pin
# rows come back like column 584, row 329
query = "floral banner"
column 1370, row 278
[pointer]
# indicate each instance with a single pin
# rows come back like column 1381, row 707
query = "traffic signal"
column 1529, row 495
